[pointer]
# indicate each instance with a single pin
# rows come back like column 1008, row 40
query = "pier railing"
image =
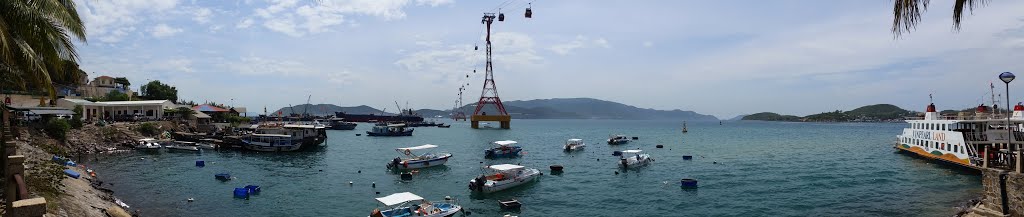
column 16, row 195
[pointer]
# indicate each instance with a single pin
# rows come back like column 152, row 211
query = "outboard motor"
column 478, row 183
column 394, row 163
column 623, row 161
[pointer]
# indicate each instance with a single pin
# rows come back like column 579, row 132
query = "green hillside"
column 769, row 116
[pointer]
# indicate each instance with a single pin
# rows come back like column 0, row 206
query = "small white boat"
column 407, row 204
column 270, row 142
column 505, row 176
column 416, row 161
column 633, row 159
column 182, row 146
column 618, row 139
column 148, row 144
column 574, row 144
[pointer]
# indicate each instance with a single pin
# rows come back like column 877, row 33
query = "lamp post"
column 1007, row 77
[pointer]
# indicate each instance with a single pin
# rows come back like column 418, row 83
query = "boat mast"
column 995, row 102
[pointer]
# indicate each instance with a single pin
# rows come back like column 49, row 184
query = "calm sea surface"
column 762, row 169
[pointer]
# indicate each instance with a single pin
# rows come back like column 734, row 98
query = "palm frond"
column 906, row 14
column 958, row 10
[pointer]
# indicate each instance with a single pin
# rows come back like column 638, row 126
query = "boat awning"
column 396, row 125
column 505, row 167
column 575, row 140
column 417, row 147
column 307, row 126
column 506, row 142
column 398, row 198
column 632, row 151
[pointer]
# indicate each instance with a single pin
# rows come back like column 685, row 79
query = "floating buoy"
column 616, row 153
column 636, row 138
column 253, row 189
column 360, row 171
column 556, row 168
column 616, row 172
column 659, row 146
column 687, row 157
column 357, row 134
column 241, row 193
column 688, row 183
column 222, row 176
column 378, row 192
column 349, row 183
column 200, row 163
column 373, row 185
column 406, row 176
column 190, row 199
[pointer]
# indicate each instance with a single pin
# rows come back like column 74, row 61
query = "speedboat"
column 148, row 144
column 414, row 161
column 505, row 148
column 504, row 176
column 574, row 144
column 633, row 158
column 270, row 142
column 617, row 140
column 407, row 204
column 390, row 130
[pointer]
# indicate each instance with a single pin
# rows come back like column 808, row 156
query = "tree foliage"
column 76, row 120
column 123, row 82
column 907, row 13
column 36, row 42
column 155, row 90
column 114, row 95
column 57, row 128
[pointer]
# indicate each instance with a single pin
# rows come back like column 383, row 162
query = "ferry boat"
column 390, row 130
column 970, row 140
column 414, row 161
column 407, row 204
column 505, row 176
column 574, row 144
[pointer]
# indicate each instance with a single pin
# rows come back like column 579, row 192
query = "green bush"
column 58, row 128
column 148, row 129
column 76, row 120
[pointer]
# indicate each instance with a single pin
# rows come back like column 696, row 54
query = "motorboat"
column 618, row 139
column 207, row 144
column 574, row 144
column 148, row 144
column 407, row 204
column 341, row 124
column 270, row 142
column 390, row 130
column 183, row 146
column 633, row 159
column 505, row 148
column 412, row 160
column 503, row 176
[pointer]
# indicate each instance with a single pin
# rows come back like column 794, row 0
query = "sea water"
column 746, row 168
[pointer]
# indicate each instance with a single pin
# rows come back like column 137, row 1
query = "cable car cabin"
column 529, row 13
column 501, row 17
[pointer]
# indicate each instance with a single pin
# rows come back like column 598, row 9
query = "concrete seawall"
column 992, row 203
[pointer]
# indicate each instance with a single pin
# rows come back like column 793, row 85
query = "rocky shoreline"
column 87, row 195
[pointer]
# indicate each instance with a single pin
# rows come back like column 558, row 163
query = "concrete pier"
column 505, row 120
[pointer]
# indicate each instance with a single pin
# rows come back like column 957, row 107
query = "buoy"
column 253, row 189
column 688, row 183
column 378, row 192
column 222, row 176
column 359, row 171
column 358, row 134
column 349, row 183
column 687, row 157
column 200, row 163
column 616, row 172
column 190, row 199
column 616, row 153
column 556, row 168
column 241, row 193
column 636, row 138
column 716, row 162
column 406, row 176
column 321, row 170
column 374, row 185
column 659, row 146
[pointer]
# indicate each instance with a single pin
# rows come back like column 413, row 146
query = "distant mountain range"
column 565, row 108
column 871, row 113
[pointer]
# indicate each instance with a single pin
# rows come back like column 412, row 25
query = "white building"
column 149, row 109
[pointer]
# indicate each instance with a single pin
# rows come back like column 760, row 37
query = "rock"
column 115, row 211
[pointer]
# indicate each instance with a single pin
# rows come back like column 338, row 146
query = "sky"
column 723, row 58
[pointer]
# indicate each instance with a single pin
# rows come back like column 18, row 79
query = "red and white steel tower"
column 489, row 94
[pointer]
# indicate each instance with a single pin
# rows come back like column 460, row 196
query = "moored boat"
column 270, row 142
column 618, row 139
column 148, row 144
column 390, row 130
column 964, row 139
column 407, row 204
column 633, row 159
column 414, row 161
column 504, row 176
column 341, row 124
column 182, row 146
column 573, row 145
column 505, row 148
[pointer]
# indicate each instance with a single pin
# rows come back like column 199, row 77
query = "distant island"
column 871, row 113
column 558, row 108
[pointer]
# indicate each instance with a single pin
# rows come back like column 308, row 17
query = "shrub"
column 148, row 129
column 76, row 120
column 58, row 128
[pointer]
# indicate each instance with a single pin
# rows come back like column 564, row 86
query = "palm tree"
column 36, row 42
column 907, row 13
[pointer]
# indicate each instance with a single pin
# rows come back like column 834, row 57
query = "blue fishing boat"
column 390, row 130
column 505, row 148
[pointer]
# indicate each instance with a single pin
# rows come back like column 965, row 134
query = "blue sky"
column 722, row 58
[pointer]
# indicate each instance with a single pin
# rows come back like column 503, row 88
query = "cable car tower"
column 489, row 95
column 457, row 113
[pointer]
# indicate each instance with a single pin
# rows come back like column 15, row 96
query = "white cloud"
column 454, row 61
column 434, row 3
column 245, row 23
column 110, row 21
column 648, row 44
column 343, row 77
column 295, row 19
column 202, row 15
column 253, row 65
column 163, row 30
column 579, row 42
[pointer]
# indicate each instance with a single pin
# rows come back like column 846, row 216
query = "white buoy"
column 191, row 199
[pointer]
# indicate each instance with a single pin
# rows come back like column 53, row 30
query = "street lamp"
column 1007, row 77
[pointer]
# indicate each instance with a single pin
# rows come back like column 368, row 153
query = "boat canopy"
column 506, row 142
column 632, row 151
column 505, row 167
column 271, row 135
column 396, row 125
column 575, row 140
column 417, row 147
column 306, row 126
column 398, row 198
column 147, row 140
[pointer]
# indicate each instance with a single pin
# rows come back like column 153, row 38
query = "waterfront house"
column 145, row 109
